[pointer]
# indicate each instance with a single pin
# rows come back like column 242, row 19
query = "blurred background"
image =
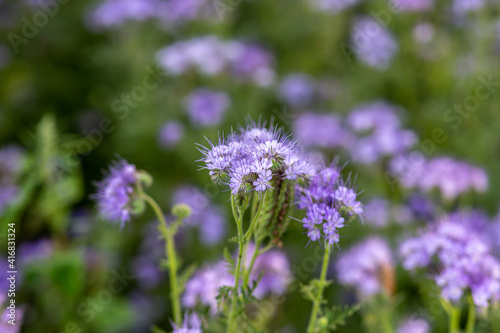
column 83, row 83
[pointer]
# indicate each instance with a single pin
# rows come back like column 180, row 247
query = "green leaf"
column 337, row 315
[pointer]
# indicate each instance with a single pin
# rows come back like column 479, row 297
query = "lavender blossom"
column 203, row 287
column 450, row 176
column 275, row 269
column 170, row 134
column 325, row 199
column 211, row 55
column 114, row 13
column 115, row 191
column 464, row 259
column 373, row 44
column 414, row 325
column 297, row 89
column 206, row 107
column 368, row 267
column 250, row 160
column 320, row 130
column 377, row 212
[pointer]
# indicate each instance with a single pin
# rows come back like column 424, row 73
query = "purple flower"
column 275, row 269
column 324, row 198
column 206, row 107
column 203, row 287
column 211, row 56
column 192, row 324
column 297, row 89
column 372, row 43
column 463, row 256
column 320, row 130
column 377, row 212
column 35, row 251
column 450, row 176
column 114, row 193
column 170, row 134
column 462, row 7
column 248, row 161
column 368, row 267
column 414, row 325
column 210, row 219
column 253, row 62
column 114, row 13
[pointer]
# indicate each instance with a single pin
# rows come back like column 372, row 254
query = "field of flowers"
column 249, row 166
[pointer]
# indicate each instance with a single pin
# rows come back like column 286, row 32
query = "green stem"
column 319, row 297
column 230, row 322
column 171, row 258
column 255, row 219
column 454, row 315
column 471, row 316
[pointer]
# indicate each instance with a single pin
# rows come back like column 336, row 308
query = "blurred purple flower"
column 414, row 325
column 377, row 212
column 373, row 44
column 210, row 219
column 421, row 207
column 203, row 287
column 206, row 107
column 450, row 176
column 275, row 269
column 170, row 134
column 114, row 13
column 368, row 267
column 192, row 324
column 210, row 56
column 463, row 257
column 34, row 251
column 297, row 89
column 461, row 7
column 114, row 193
column 320, row 130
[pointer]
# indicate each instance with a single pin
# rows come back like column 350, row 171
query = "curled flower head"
column 115, row 192
column 254, row 158
column 327, row 200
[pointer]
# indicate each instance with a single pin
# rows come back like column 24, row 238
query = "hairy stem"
column 319, row 297
column 168, row 234
column 241, row 246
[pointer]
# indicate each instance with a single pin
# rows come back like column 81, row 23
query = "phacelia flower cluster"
column 297, row 89
column 327, row 199
column 170, row 134
column 463, row 258
column 379, row 213
column 378, row 132
column 210, row 56
column 115, row 193
column 449, row 176
column 203, row 287
column 249, row 160
column 368, row 267
column 206, row 107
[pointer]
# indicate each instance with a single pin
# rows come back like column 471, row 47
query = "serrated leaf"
column 338, row 315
